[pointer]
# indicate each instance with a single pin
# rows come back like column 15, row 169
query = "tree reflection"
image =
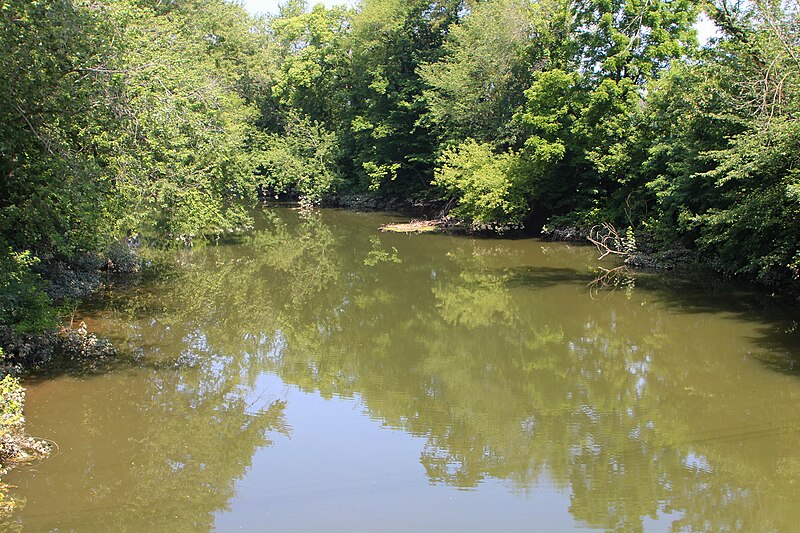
column 167, row 459
column 494, row 353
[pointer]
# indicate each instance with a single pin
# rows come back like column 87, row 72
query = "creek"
column 317, row 374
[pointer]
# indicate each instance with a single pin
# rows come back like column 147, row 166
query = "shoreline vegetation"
column 16, row 447
column 646, row 257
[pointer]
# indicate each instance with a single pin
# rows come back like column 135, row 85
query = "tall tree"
column 53, row 81
column 751, row 225
column 179, row 155
column 385, row 143
column 312, row 60
column 488, row 62
column 620, row 47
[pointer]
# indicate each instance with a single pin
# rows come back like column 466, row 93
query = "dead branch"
column 608, row 240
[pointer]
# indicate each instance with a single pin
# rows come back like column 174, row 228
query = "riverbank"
column 16, row 446
column 48, row 333
column 641, row 251
column 644, row 252
column 23, row 352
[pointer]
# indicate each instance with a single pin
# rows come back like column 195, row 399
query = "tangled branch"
column 609, row 241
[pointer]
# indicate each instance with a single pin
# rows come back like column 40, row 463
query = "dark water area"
column 317, row 374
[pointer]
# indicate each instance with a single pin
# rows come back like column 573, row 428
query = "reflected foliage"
column 494, row 352
column 168, row 460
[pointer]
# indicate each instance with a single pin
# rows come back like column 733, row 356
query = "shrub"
column 487, row 186
column 24, row 305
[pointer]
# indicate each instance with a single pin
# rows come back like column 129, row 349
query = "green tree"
column 488, row 188
column 54, row 190
column 753, row 229
column 312, row 60
column 618, row 49
column 488, row 62
column 121, row 117
column 299, row 161
column 385, row 145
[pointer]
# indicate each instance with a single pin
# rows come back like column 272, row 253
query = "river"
column 317, row 374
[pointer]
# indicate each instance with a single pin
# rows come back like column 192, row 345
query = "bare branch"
column 608, row 240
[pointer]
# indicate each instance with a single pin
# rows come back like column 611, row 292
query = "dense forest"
column 159, row 120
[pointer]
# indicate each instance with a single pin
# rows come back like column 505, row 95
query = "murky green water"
column 321, row 375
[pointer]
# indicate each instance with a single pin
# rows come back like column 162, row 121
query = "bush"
column 77, row 344
column 121, row 257
column 64, row 345
column 24, row 305
column 12, row 397
column 487, row 186
column 299, row 161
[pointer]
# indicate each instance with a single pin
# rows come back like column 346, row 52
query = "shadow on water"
column 542, row 277
column 775, row 319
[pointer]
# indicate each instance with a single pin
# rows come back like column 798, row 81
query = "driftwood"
column 415, row 226
column 608, row 241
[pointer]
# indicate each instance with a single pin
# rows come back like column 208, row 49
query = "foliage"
column 311, row 58
column 720, row 140
column 76, row 344
column 632, row 39
column 15, row 445
column 152, row 118
column 13, row 397
column 23, row 303
column 686, row 117
column 298, row 161
column 752, row 228
column 119, row 117
column 125, row 118
column 386, row 145
column 488, row 60
column 53, row 191
column 178, row 152
column 488, row 187
column 549, row 112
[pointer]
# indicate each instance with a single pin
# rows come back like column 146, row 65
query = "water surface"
column 320, row 375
